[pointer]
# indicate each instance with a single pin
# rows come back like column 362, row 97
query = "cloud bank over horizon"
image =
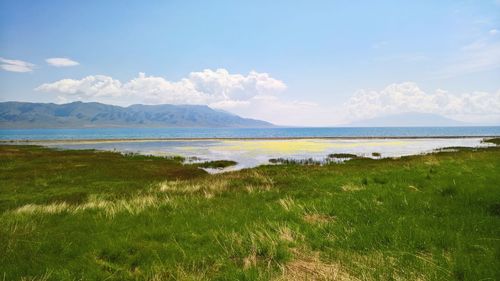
column 475, row 107
column 261, row 96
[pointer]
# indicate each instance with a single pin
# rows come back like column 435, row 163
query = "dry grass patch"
column 256, row 188
column 308, row 266
column 109, row 208
column 250, row 260
column 316, row 218
column 211, row 185
column 264, row 181
column 54, row 208
column 366, row 265
column 351, row 187
column 262, row 246
column 286, row 234
column 289, row 204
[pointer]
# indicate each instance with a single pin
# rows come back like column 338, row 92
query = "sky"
column 300, row 63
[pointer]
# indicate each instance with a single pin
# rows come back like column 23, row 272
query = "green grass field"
column 86, row 215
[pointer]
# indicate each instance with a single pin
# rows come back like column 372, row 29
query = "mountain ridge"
column 28, row 115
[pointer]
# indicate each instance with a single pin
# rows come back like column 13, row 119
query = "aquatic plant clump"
column 342, row 155
column 495, row 141
column 217, row 164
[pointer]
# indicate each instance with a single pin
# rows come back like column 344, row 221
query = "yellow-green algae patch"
column 293, row 146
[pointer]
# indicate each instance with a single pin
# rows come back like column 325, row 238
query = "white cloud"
column 88, row 88
column 493, row 31
column 408, row 97
column 16, row 65
column 61, row 62
column 223, row 85
column 204, row 87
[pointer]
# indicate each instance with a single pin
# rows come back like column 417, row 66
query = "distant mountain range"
column 410, row 119
column 98, row 115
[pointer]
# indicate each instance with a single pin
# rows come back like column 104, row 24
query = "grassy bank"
column 85, row 215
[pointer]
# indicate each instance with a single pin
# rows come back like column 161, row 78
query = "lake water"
column 253, row 147
column 251, row 153
column 154, row 133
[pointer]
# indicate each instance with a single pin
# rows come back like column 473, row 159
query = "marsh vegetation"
column 88, row 215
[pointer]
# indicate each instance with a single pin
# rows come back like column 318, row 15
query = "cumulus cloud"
column 88, row 88
column 61, row 62
column 408, row 97
column 205, row 87
column 16, row 65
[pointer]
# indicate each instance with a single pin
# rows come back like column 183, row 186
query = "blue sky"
column 290, row 62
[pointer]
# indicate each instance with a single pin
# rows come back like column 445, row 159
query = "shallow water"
column 251, row 153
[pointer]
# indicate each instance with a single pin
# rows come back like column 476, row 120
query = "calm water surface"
column 145, row 133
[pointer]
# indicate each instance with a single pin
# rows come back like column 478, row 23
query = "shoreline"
column 34, row 141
